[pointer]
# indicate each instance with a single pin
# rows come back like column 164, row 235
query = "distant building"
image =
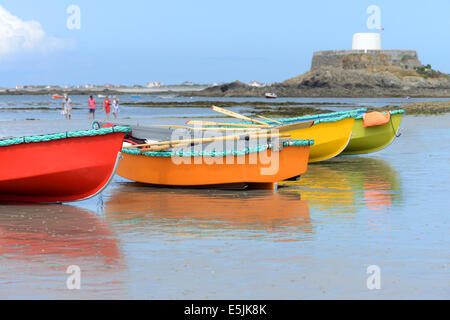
column 366, row 41
column 108, row 85
column 255, row 84
column 187, row 83
column 154, row 84
column 19, row 87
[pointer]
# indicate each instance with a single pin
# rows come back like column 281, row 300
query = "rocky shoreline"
column 294, row 109
column 417, row 108
column 335, row 82
column 422, row 108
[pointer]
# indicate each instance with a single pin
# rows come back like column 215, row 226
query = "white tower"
column 366, row 41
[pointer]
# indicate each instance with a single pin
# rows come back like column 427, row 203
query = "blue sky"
column 172, row 41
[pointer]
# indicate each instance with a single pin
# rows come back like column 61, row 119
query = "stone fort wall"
column 361, row 59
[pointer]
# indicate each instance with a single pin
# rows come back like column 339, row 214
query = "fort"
column 366, row 53
column 364, row 59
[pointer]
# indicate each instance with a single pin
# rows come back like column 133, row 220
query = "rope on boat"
column 324, row 117
column 393, row 129
column 333, row 115
column 168, row 154
column 338, row 118
column 63, row 135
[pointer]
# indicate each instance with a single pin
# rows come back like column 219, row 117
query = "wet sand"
column 312, row 239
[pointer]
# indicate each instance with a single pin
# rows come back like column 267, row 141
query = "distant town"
column 149, row 85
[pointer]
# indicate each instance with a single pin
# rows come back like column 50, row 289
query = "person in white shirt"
column 115, row 107
column 67, row 107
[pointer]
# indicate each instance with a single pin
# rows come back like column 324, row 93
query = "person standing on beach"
column 92, row 104
column 107, row 107
column 67, row 107
column 115, row 107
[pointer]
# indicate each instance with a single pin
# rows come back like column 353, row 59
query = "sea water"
column 316, row 238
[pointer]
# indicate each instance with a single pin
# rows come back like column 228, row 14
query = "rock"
column 338, row 82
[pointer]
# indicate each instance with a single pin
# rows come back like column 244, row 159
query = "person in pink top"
column 107, row 107
column 92, row 105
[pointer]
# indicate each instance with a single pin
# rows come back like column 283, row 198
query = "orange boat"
column 60, row 167
column 242, row 165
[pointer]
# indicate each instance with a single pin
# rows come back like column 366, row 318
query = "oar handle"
column 252, row 135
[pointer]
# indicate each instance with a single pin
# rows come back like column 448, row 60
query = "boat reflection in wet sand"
column 346, row 184
column 55, row 233
column 186, row 211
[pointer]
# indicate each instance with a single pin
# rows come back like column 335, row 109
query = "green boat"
column 363, row 140
column 373, row 139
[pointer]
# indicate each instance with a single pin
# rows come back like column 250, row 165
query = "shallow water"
column 43, row 107
column 310, row 239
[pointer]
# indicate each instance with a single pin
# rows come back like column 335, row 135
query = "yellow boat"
column 331, row 136
column 331, row 132
column 363, row 140
column 372, row 139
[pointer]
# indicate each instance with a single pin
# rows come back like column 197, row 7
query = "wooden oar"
column 179, row 143
column 236, row 115
column 287, row 127
column 207, row 129
column 204, row 140
column 240, row 125
column 268, row 119
column 208, row 140
column 189, row 141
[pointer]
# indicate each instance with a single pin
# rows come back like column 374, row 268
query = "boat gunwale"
column 324, row 117
column 63, row 135
column 257, row 149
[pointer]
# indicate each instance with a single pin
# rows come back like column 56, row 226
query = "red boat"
column 60, row 167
